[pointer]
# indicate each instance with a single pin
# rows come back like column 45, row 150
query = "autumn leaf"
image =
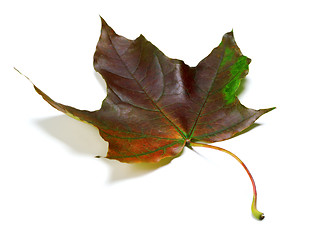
column 155, row 105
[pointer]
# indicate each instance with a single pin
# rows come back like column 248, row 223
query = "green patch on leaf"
column 237, row 72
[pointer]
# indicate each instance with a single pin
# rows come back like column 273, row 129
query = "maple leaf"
column 155, row 105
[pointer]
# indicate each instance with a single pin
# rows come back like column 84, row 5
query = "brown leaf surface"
column 156, row 105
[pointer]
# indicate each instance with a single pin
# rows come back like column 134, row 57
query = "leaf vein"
column 149, row 152
column 222, row 130
column 206, row 99
column 160, row 110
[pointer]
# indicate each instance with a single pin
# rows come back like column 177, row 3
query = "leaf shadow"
column 242, row 86
column 121, row 171
column 240, row 90
column 78, row 136
column 84, row 139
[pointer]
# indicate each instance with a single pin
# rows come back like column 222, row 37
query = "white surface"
column 52, row 187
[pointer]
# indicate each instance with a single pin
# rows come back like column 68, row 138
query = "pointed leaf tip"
column 23, row 75
column 103, row 21
column 267, row 110
column 229, row 35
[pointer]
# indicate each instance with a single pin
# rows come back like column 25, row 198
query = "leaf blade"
column 156, row 105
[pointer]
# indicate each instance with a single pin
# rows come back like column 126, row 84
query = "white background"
column 52, row 187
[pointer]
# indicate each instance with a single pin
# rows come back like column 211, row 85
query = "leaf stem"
column 257, row 214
